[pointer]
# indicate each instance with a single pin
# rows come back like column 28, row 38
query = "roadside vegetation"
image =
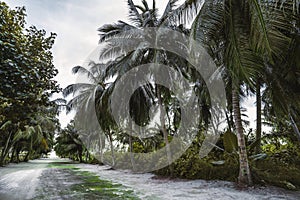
column 69, row 145
column 254, row 43
column 27, row 115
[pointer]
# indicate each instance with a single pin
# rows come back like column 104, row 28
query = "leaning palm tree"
column 5, row 144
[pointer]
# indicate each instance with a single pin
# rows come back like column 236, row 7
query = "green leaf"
column 5, row 125
column 230, row 142
column 219, row 162
column 260, row 156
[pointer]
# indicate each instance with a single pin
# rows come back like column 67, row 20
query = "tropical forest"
column 179, row 99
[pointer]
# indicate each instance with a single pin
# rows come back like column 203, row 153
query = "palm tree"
column 68, row 143
column 85, row 102
column 5, row 126
column 243, row 37
column 141, row 17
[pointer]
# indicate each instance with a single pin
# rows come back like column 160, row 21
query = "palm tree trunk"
column 164, row 130
column 5, row 150
column 130, row 146
column 26, row 159
column 80, row 155
column 244, row 178
column 163, row 125
column 28, row 155
column 112, row 150
column 131, row 152
column 258, row 117
column 18, row 155
column 12, row 155
column 295, row 127
column 101, row 147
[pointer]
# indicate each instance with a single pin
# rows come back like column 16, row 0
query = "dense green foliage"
column 256, row 46
column 27, row 116
column 69, row 145
column 278, row 163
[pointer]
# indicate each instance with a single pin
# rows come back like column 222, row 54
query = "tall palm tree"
column 84, row 99
column 244, row 37
column 141, row 17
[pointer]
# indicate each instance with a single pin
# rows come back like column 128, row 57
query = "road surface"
column 57, row 179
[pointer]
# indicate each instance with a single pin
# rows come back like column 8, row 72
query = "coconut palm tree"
column 5, row 143
column 84, row 97
column 244, row 37
column 142, row 16
column 68, row 143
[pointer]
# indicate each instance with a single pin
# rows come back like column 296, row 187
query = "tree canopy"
column 27, row 116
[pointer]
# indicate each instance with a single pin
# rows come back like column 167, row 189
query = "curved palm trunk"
column 131, row 152
column 244, row 178
column 258, row 117
column 18, row 155
column 295, row 127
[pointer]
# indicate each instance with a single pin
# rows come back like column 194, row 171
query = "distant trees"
column 69, row 144
column 27, row 116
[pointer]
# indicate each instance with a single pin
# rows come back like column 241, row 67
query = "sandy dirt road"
column 37, row 180
column 57, row 179
column 19, row 181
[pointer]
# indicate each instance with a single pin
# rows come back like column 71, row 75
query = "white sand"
column 148, row 188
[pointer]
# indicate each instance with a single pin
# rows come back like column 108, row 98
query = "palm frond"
column 59, row 101
column 121, row 64
column 168, row 10
column 153, row 5
column 141, row 8
column 5, row 125
column 82, row 70
column 107, row 31
column 18, row 135
column 77, row 101
column 134, row 15
column 74, row 88
column 122, row 43
column 241, row 61
column 144, row 2
column 208, row 28
column 185, row 13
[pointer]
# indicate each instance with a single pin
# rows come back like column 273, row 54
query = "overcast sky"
column 76, row 23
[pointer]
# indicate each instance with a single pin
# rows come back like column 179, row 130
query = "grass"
column 92, row 187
